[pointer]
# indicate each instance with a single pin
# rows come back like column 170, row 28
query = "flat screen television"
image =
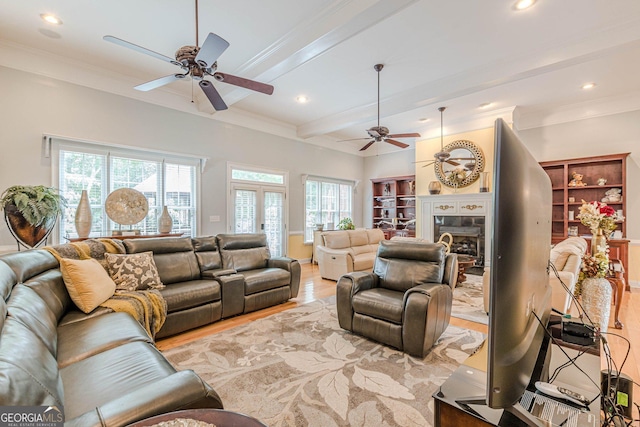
column 519, row 275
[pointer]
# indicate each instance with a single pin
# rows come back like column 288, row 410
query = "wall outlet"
column 214, row 218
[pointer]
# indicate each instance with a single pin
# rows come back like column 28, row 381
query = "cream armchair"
column 566, row 256
column 349, row 250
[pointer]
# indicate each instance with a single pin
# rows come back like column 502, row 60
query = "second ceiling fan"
column 380, row 133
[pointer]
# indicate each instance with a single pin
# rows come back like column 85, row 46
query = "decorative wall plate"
column 126, row 206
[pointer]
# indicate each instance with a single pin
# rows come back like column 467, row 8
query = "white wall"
column 619, row 133
column 32, row 105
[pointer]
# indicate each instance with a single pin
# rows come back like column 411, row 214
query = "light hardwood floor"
column 313, row 287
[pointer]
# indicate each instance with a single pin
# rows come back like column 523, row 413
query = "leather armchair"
column 406, row 301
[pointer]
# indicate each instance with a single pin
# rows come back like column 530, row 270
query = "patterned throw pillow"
column 133, row 272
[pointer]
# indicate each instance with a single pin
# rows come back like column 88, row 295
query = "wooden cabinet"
column 394, row 205
column 567, row 199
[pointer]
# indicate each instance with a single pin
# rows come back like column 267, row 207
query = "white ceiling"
column 457, row 53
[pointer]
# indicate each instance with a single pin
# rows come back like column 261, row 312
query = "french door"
column 260, row 209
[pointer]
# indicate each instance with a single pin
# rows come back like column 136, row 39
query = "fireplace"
column 467, row 217
column 467, row 232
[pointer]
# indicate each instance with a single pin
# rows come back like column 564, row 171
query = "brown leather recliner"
column 406, row 301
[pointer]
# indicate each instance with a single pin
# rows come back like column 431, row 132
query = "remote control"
column 562, row 393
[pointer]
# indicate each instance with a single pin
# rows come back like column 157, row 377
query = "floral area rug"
column 299, row 368
column 468, row 301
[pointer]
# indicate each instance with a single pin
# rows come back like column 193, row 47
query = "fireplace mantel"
column 472, row 204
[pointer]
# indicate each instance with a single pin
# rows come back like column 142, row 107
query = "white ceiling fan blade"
column 404, row 135
column 352, row 139
column 144, row 87
column 141, row 49
column 211, row 50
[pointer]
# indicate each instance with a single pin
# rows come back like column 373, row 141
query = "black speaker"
column 617, row 389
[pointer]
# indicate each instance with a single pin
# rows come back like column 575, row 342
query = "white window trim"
column 54, row 143
column 230, row 181
column 305, row 178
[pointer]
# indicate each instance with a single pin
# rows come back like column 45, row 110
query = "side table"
column 615, row 276
column 464, row 262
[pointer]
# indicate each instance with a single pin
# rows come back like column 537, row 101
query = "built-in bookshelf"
column 600, row 174
column 394, row 205
column 567, row 199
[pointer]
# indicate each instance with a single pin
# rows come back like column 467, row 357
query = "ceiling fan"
column 381, row 133
column 443, row 155
column 197, row 62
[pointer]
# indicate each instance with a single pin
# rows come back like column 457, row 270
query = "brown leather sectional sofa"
column 102, row 367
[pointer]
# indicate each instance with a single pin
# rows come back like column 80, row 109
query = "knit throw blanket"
column 148, row 307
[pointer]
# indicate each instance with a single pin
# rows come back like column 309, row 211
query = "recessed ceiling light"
column 302, row 99
column 524, row 4
column 51, row 19
column 485, row 105
column 588, row 86
column 424, row 119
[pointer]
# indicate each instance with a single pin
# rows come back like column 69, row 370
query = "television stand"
column 458, row 401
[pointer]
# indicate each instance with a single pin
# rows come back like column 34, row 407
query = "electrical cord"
column 579, row 306
column 608, row 400
column 615, row 418
column 569, row 362
column 553, row 339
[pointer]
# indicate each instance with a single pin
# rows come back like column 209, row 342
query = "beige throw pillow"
column 87, row 282
column 134, row 272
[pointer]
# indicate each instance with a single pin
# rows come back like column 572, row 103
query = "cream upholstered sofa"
column 566, row 256
column 345, row 251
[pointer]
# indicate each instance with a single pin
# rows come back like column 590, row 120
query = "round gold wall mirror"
column 463, row 166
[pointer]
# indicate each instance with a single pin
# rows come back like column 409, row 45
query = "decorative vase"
column 435, row 187
column 598, row 242
column 596, row 300
column 164, row 221
column 484, row 182
column 26, row 234
column 83, row 216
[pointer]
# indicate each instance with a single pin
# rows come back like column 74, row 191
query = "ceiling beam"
column 495, row 74
column 339, row 22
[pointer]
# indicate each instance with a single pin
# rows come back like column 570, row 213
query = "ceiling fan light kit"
column 197, row 62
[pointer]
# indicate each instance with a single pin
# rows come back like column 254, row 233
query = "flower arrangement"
column 593, row 266
column 599, row 216
column 456, row 176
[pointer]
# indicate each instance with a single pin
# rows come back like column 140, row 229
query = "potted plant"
column 31, row 211
column 346, row 224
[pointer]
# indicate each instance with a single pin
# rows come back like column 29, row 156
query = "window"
column 326, row 201
column 163, row 179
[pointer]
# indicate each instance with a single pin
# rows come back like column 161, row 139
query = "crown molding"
column 559, row 114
